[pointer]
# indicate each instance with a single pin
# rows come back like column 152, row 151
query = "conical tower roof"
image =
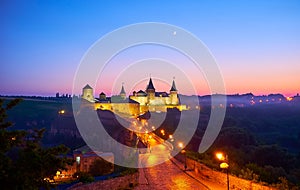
column 122, row 90
column 150, row 85
column 173, row 88
column 87, row 87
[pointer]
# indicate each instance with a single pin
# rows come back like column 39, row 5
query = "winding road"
column 166, row 175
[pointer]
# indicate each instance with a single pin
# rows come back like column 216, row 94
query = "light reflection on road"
column 156, row 153
column 156, row 170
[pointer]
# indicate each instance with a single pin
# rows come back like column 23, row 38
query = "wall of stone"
column 221, row 178
column 124, row 182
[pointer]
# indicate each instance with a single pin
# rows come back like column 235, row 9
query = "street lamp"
column 162, row 132
column 61, row 112
column 149, row 142
column 171, row 138
column 180, row 145
column 224, row 164
column 220, row 156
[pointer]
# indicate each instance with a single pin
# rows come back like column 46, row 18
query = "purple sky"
column 255, row 43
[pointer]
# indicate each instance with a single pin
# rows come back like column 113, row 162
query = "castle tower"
column 123, row 93
column 150, row 90
column 102, row 96
column 87, row 93
column 173, row 94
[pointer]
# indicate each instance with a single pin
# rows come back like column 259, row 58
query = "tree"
column 101, row 167
column 24, row 164
column 273, row 155
column 234, row 137
column 84, row 177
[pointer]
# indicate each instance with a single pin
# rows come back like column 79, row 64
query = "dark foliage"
column 84, row 177
column 101, row 167
column 262, row 142
column 24, row 164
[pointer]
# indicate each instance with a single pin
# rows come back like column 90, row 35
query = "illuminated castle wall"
column 138, row 103
column 157, row 101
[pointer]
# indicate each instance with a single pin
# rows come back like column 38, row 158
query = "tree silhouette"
column 24, row 164
column 101, row 167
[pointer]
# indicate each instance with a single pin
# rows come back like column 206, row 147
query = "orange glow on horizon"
column 233, row 85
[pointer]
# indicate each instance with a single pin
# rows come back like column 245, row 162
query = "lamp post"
column 149, row 142
column 162, row 132
column 224, row 164
column 180, row 145
column 171, row 138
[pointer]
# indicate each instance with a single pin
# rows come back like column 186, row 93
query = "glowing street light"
column 149, row 142
column 61, row 112
column 224, row 164
column 180, row 145
column 220, row 156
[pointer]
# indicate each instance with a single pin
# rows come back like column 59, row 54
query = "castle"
column 137, row 103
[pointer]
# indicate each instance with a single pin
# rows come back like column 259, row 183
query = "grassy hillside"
column 34, row 113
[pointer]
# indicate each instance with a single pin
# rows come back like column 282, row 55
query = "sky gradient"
column 255, row 43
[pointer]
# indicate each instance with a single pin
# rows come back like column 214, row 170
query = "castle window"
column 77, row 159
